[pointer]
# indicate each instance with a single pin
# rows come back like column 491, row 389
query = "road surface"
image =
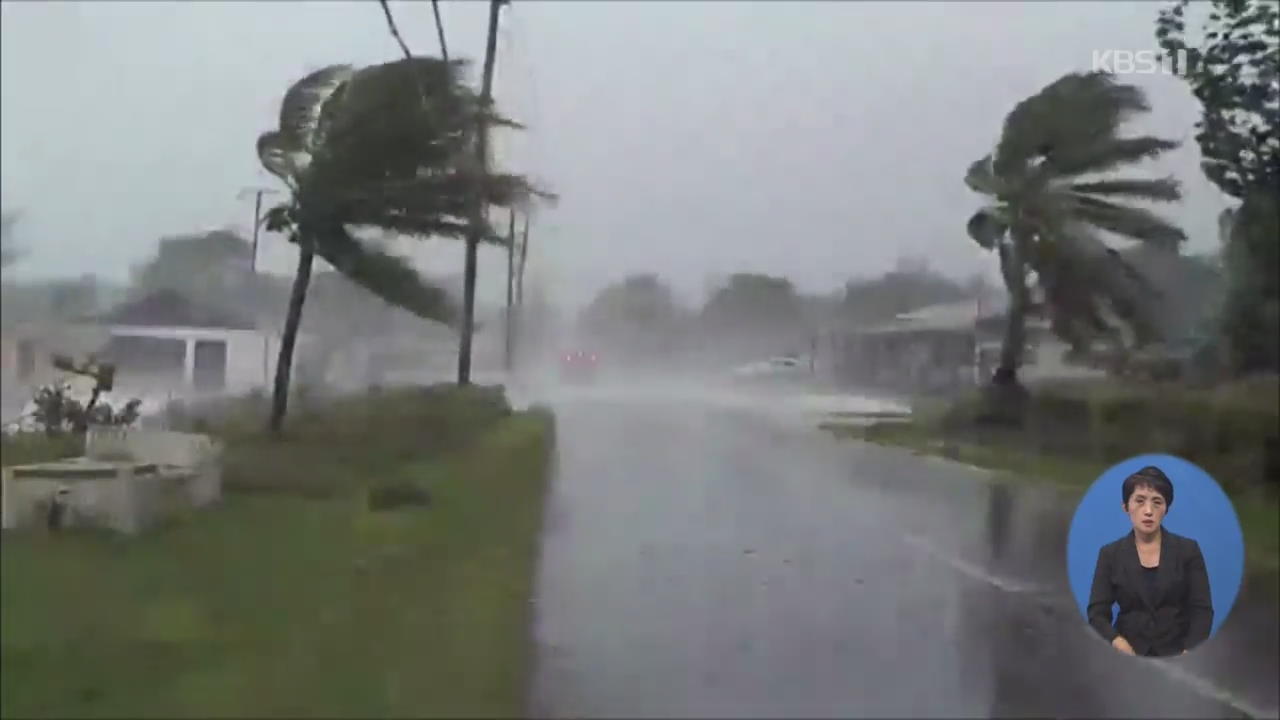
column 719, row 559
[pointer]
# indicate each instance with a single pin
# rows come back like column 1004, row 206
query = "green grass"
column 277, row 604
column 1258, row 510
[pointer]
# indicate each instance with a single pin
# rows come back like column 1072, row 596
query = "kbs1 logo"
column 1140, row 62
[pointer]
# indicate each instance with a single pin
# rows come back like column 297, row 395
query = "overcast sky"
column 816, row 140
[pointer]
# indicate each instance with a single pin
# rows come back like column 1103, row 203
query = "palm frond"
column 395, row 121
column 387, row 276
column 276, row 153
column 426, row 226
column 987, row 227
column 1074, row 110
column 1126, row 221
column 981, row 177
column 1164, row 189
column 304, row 101
column 1093, row 291
column 1106, row 154
column 446, row 194
column 279, row 219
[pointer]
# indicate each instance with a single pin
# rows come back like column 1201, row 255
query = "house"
column 163, row 345
column 945, row 347
column 930, row 348
column 166, row 343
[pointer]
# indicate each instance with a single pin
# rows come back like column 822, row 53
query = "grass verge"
column 296, row 603
column 1015, row 457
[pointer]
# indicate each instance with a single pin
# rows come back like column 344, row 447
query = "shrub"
column 1233, row 430
column 35, row 447
column 349, row 442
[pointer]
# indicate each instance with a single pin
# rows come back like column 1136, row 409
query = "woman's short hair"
column 1152, row 477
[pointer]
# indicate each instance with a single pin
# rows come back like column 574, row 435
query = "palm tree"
column 384, row 146
column 1046, row 217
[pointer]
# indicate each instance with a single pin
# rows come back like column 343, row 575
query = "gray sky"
column 816, row 140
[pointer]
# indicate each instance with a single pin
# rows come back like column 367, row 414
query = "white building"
column 165, row 343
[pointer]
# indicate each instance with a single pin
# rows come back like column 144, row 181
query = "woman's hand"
column 1122, row 645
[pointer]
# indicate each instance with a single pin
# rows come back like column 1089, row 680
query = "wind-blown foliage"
column 383, row 146
column 1235, row 73
column 1046, row 219
column 1250, row 321
column 1234, row 70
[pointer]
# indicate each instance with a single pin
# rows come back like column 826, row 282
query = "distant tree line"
column 752, row 314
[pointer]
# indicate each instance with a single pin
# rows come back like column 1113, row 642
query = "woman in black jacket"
column 1158, row 578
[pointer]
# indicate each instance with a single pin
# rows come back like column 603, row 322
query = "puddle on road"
column 1020, row 548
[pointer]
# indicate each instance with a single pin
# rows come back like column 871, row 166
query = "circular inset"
column 1155, row 556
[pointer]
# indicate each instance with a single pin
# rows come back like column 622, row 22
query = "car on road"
column 579, row 365
column 775, row 370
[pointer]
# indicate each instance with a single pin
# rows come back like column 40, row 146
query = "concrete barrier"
column 128, row 481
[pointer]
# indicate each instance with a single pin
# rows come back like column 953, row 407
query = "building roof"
column 943, row 316
column 170, row 308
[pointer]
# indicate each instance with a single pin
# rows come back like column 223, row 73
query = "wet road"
column 722, row 560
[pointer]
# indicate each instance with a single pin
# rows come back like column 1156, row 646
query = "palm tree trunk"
column 1015, row 333
column 292, row 321
column 508, row 326
column 468, row 312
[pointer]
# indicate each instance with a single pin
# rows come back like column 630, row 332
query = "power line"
column 444, row 48
column 395, row 31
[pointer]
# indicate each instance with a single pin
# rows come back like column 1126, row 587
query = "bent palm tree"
column 1046, row 217
column 385, row 147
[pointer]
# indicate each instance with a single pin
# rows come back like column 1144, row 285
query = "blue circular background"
column 1201, row 511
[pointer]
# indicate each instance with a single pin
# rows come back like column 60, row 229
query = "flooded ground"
column 708, row 555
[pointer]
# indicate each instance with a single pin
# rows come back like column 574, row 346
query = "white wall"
column 251, row 360
column 251, row 354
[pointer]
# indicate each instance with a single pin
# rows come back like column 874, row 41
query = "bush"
column 36, row 447
column 1232, row 431
column 349, row 442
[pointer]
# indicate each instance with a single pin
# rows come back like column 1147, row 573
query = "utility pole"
column 478, row 199
column 253, row 266
column 518, row 316
column 508, row 327
column 257, row 220
column 524, row 255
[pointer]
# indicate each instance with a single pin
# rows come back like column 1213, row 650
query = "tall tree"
column 751, row 300
column 1233, row 68
column 208, row 267
column 898, row 291
column 1045, row 220
column 1250, row 316
column 384, row 146
column 1234, row 71
column 638, row 315
column 755, row 314
column 10, row 251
